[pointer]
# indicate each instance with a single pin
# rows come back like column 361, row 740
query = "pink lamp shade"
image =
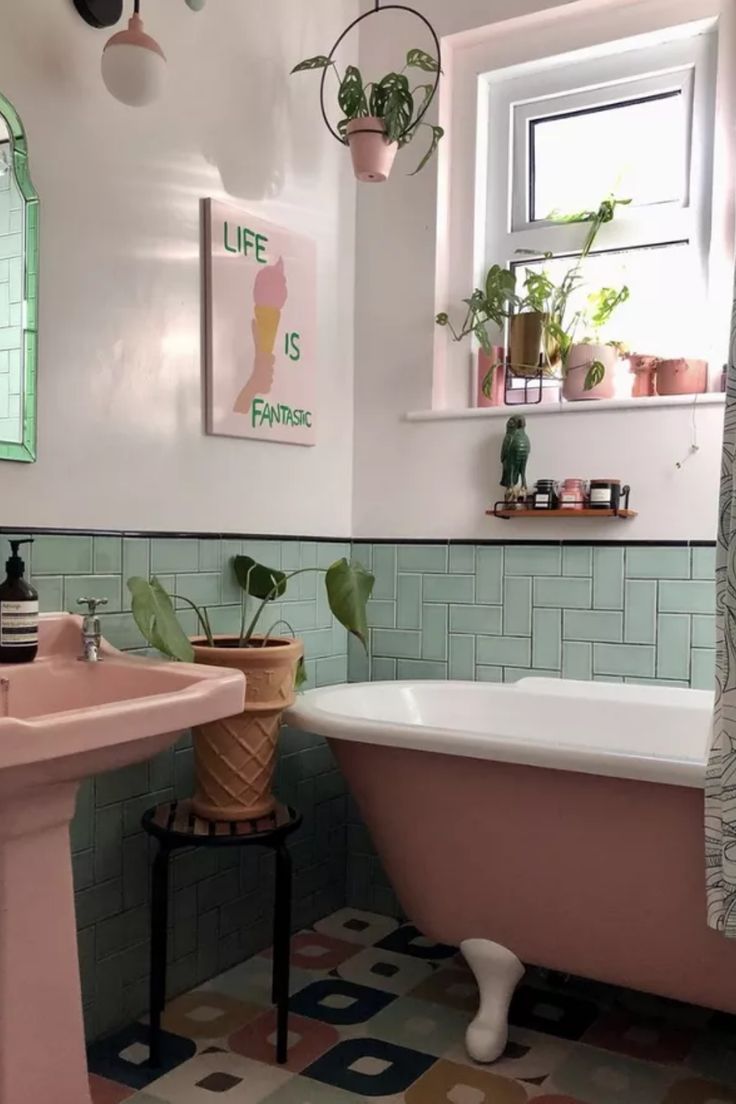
column 134, row 65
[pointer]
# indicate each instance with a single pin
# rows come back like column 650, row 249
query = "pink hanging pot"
column 373, row 155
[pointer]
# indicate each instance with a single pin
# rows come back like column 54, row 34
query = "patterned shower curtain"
column 720, row 787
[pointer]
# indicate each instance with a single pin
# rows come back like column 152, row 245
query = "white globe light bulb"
column 134, row 66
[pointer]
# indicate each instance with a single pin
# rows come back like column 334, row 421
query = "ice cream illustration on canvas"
column 270, row 292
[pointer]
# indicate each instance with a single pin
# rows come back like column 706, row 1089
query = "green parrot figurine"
column 514, row 455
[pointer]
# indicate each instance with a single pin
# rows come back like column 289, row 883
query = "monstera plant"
column 235, row 758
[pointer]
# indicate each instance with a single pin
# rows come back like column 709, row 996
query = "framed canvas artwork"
column 260, row 318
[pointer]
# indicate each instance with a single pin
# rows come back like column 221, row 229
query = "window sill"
column 590, row 406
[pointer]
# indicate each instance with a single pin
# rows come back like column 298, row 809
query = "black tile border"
column 152, row 534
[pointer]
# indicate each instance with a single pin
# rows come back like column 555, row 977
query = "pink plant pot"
column 373, row 155
column 682, row 377
column 643, row 368
column 497, row 384
column 578, row 365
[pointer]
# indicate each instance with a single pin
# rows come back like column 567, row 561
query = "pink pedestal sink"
column 61, row 721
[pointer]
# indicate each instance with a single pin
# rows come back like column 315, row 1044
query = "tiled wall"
column 498, row 613
column 220, row 902
column 11, row 294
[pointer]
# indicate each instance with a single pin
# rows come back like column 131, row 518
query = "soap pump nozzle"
column 15, row 566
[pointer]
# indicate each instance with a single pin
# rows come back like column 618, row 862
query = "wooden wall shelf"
column 561, row 514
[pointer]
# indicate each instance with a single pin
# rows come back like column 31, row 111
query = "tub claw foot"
column 498, row 971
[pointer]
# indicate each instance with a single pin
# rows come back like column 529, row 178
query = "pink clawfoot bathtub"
column 550, row 822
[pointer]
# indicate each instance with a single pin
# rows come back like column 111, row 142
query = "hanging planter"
column 380, row 117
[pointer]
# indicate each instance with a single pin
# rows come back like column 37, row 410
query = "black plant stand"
column 175, row 826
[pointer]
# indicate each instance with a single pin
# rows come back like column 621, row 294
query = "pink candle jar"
column 572, row 494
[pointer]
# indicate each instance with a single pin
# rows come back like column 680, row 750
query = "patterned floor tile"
column 695, row 1091
column 123, row 1057
column 603, row 1078
column 370, row 1067
column 529, row 1056
column 354, row 926
column 219, row 1076
column 385, row 970
column 207, row 1015
column 652, row 1040
column 308, row 1040
column 316, row 951
column 419, row 1025
column 460, row 1084
column 558, row 1014
column 338, row 1002
column 302, row 1090
column 251, row 981
column 146, row 1098
column 408, row 940
column 452, row 986
column 108, row 1092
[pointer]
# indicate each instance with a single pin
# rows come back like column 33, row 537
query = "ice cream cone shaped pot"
column 235, row 758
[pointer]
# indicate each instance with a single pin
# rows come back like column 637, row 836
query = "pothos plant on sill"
column 382, row 116
column 235, row 758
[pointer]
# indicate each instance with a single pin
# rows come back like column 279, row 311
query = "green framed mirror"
column 18, row 291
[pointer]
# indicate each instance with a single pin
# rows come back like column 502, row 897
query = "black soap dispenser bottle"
column 18, row 612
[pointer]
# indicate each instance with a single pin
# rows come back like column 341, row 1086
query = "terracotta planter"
column 495, row 386
column 579, row 360
column 643, row 369
column 373, row 155
column 235, row 758
column 682, row 377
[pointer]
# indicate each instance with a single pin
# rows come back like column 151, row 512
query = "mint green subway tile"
column 423, row 557
column 50, row 593
column 307, row 554
column 515, row 674
column 434, row 632
column 230, row 548
column 563, row 593
column 615, row 679
column 331, row 671
column 480, row 620
column 640, row 611
column 657, row 563
column 301, row 615
column 384, row 569
column 362, row 552
column 593, row 625
column 324, row 613
column 203, row 588
column 449, row 588
column 108, row 555
column 310, row 673
column 489, row 575
column 533, row 560
column 170, row 555
column 121, row 630
column 397, row 643
column 608, row 578
column 92, row 586
column 703, row 669
column 692, row 597
column 577, row 560
column 230, row 589
column 358, row 665
column 382, row 615
column 624, row 659
column 577, row 660
column 136, row 562
column 547, row 639
column 383, row 669
column 484, row 673
column 329, row 552
column 673, row 646
column 317, row 642
column 61, row 555
column 517, row 606
column 462, row 657
column 289, row 555
column 408, row 610
column 703, row 563
column 704, row 630
column 420, row 669
column 225, row 620
column 210, row 555
column 504, row 651
column 189, row 622
column 681, row 683
column 306, row 585
column 339, row 638
column 462, row 559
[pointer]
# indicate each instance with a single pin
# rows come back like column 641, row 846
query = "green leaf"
column 442, row 319
column 318, row 62
column 349, row 586
column 596, row 374
column 419, row 59
column 437, row 135
column 300, row 675
column 153, row 613
column 351, row 96
column 257, row 580
column 483, row 339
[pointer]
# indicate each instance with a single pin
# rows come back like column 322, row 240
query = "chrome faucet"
column 91, row 630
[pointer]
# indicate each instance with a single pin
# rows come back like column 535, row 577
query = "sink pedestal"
column 42, row 1047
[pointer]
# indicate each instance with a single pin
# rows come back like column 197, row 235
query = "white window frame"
column 532, row 47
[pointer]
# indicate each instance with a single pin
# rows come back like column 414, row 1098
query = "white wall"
column 436, row 479
column 121, row 443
